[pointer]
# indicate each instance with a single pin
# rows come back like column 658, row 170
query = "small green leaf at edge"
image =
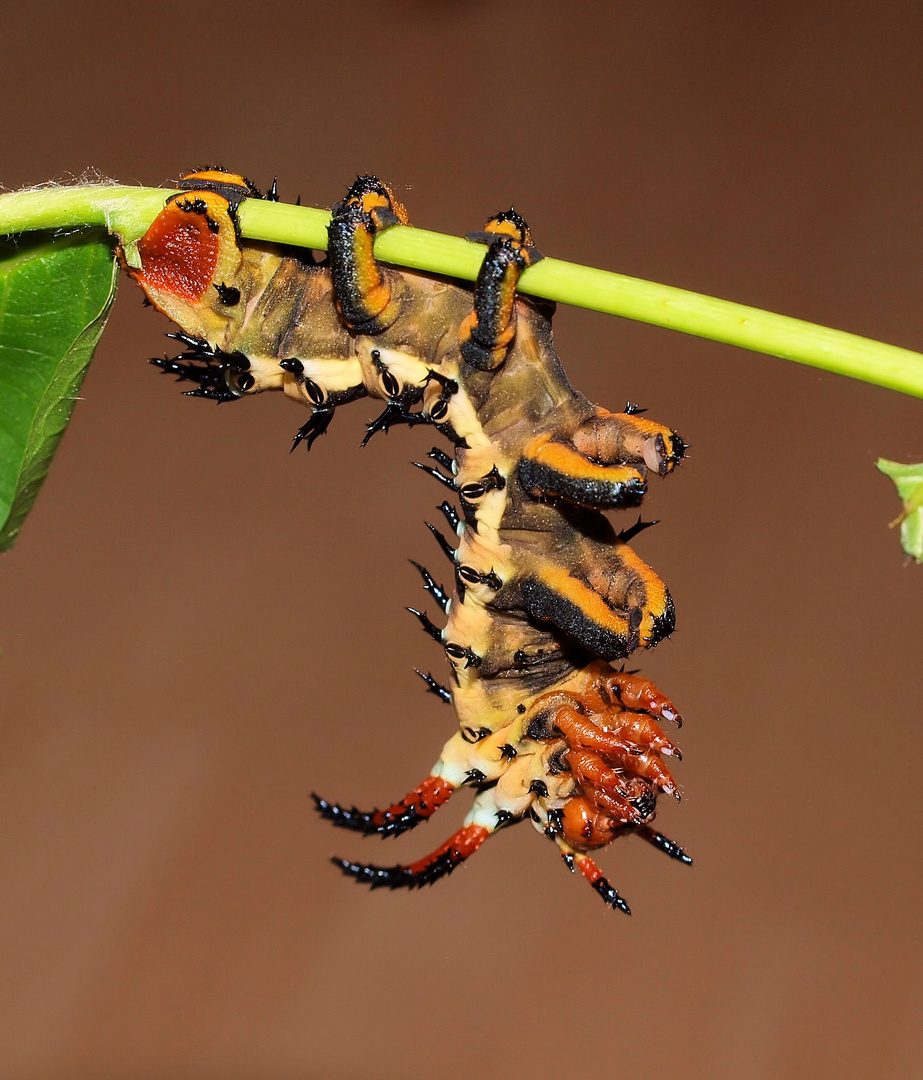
column 55, row 296
column 908, row 479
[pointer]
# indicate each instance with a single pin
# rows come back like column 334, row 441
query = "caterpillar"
column 547, row 595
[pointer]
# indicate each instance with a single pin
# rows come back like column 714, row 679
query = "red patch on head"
column 179, row 252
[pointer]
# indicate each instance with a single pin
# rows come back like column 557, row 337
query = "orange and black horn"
column 424, row 871
column 417, row 806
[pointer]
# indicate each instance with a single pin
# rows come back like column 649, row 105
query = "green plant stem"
column 125, row 211
column 128, row 211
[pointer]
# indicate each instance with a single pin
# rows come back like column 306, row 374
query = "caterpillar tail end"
column 605, row 735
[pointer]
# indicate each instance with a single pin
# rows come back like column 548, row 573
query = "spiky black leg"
column 209, row 376
column 627, row 535
column 441, row 457
column 199, row 345
column 436, row 474
column 207, row 367
column 425, row 871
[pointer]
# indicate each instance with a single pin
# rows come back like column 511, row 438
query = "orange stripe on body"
column 570, row 462
column 590, row 603
column 216, row 176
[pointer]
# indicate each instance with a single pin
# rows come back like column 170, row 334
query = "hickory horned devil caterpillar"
column 546, row 593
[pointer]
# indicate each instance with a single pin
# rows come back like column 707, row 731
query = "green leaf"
column 55, row 294
column 908, row 479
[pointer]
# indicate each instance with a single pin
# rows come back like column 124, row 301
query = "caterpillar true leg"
column 206, row 366
column 636, row 692
column 610, row 788
column 633, row 745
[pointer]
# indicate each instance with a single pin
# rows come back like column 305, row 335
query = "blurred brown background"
column 199, row 629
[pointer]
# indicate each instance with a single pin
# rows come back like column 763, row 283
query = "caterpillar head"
column 189, row 258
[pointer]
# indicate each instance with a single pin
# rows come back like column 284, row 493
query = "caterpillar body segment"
column 546, row 591
column 557, row 470
column 601, row 464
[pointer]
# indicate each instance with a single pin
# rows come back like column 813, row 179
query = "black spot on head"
column 229, row 295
